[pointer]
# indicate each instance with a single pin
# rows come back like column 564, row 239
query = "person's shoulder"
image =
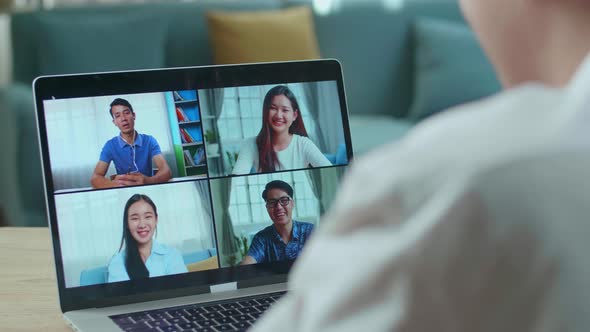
column 147, row 138
column 164, row 250
column 304, row 227
column 303, row 224
column 470, row 131
column 303, row 143
column 455, row 141
column 108, row 148
column 301, row 139
column 117, row 259
column 112, row 140
column 265, row 232
column 514, row 106
column 117, row 271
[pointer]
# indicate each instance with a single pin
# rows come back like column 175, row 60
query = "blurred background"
column 403, row 61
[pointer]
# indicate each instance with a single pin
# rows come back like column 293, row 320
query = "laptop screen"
column 196, row 179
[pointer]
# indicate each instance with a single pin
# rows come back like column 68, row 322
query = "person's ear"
column 296, row 114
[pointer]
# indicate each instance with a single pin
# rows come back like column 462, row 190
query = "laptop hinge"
column 230, row 286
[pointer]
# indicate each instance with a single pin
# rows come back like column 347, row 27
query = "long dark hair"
column 135, row 266
column 267, row 157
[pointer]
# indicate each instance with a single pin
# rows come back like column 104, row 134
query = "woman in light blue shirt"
column 143, row 257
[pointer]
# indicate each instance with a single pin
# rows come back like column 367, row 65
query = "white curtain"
column 78, row 128
column 91, row 223
column 324, row 105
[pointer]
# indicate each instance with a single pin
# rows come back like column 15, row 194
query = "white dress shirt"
column 478, row 220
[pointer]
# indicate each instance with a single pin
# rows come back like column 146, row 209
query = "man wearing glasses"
column 285, row 238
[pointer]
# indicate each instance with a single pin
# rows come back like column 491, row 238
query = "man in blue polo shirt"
column 132, row 153
column 285, row 238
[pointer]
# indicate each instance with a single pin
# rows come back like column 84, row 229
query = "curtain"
column 324, row 105
column 203, row 189
column 312, row 98
column 214, row 104
column 325, row 182
column 229, row 249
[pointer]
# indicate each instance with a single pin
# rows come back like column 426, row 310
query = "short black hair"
column 277, row 184
column 120, row 102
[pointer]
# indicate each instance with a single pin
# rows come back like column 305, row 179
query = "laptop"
column 178, row 199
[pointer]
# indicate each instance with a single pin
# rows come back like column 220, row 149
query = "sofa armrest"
column 22, row 188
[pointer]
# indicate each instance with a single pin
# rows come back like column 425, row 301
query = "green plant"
column 210, row 136
column 242, row 246
column 232, row 157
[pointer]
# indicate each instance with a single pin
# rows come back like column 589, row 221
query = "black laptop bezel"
column 159, row 80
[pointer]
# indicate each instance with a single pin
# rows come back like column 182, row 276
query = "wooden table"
column 28, row 289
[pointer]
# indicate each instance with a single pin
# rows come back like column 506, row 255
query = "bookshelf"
column 190, row 131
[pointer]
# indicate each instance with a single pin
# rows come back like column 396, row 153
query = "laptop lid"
column 163, row 183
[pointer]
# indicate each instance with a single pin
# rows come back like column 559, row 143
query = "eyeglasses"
column 284, row 201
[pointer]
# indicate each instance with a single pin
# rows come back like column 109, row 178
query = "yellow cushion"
column 206, row 264
column 262, row 36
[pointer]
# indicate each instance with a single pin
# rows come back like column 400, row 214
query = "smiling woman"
column 143, row 257
column 282, row 143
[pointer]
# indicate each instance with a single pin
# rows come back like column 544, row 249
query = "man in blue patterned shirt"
column 285, row 238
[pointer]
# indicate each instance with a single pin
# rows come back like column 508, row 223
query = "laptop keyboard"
column 229, row 315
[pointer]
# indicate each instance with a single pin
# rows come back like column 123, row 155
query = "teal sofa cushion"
column 101, row 43
column 10, row 203
column 450, row 67
column 21, row 193
column 94, row 276
column 99, row 275
column 369, row 131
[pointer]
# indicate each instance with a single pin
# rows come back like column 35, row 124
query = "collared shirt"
column 268, row 246
column 126, row 158
column 479, row 223
column 163, row 260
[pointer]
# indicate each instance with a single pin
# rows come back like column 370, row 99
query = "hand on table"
column 131, row 179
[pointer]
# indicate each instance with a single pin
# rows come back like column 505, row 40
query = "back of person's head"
column 542, row 41
column 120, row 102
column 277, row 184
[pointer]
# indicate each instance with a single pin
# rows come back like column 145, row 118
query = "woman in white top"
column 282, row 143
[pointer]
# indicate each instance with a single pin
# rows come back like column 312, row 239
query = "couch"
column 194, row 262
column 389, row 57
